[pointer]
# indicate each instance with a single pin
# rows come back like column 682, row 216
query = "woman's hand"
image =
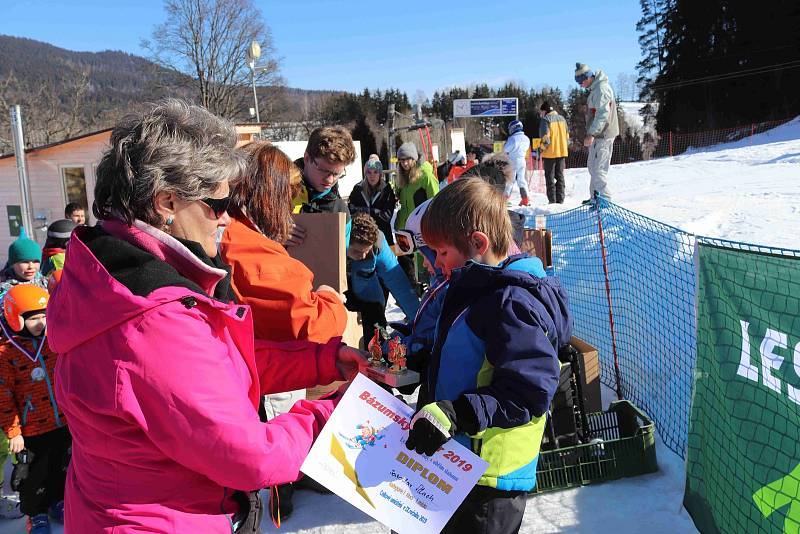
column 350, row 361
column 297, row 235
column 16, row 444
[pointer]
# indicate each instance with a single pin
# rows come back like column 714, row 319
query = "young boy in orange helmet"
column 29, row 414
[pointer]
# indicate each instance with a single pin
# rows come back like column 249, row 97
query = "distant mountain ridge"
column 118, row 82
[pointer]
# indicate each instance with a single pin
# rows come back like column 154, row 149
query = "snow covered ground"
column 649, row 503
column 746, row 191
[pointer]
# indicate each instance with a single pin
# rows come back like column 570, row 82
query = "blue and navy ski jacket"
column 496, row 346
column 381, row 264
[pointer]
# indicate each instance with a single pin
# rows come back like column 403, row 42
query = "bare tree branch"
column 207, row 40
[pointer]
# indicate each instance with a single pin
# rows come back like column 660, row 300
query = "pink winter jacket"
column 160, row 394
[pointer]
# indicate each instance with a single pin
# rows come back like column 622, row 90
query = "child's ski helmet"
column 514, row 127
column 22, row 299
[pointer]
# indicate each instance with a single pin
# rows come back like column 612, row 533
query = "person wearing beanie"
column 24, row 260
column 601, row 128
column 416, row 183
column 55, row 247
column 517, row 146
column 373, row 195
column 555, row 138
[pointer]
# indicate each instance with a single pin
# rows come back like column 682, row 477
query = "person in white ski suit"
column 517, row 147
column 601, row 127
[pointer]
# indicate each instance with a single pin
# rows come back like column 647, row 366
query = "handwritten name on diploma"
column 361, row 456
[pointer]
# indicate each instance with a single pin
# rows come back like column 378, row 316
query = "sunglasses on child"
column 217, row 205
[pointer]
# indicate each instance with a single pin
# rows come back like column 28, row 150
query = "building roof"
column 57, row 143
column 251, row 127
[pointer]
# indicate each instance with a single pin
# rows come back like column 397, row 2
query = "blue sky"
column 348, row 45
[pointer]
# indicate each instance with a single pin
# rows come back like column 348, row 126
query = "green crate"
column 627, row 449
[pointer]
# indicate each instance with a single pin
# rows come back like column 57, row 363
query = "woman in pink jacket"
column 159, row 375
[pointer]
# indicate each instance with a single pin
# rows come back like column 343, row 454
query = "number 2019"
column 456, row 459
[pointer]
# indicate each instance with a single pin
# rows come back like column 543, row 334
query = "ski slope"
column 745, row 191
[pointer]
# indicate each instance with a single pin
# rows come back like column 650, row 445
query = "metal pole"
column 255, row 95
column 22, row 169
column 390, row 135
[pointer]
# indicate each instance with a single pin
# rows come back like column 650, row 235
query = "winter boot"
column 38, row 524
column 9, row 507
column 524, row 194
column 56, row 512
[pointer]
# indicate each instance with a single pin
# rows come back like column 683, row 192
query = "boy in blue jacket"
column 494, row 365
column 371, row 267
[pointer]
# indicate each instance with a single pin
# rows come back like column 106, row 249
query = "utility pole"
column 22, row 169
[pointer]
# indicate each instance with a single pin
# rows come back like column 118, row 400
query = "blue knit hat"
column 24, row 249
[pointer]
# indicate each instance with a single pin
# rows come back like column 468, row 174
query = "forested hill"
column 65, row 93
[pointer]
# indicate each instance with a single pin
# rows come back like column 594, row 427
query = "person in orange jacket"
column 278, row 288
column 31, row 418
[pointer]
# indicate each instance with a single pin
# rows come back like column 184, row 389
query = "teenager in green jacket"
column 416, row 182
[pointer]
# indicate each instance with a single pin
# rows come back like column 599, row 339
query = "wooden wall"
column 48, row 197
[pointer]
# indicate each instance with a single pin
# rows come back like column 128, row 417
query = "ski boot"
column 524, row 202
column 56, row 512
column 38, row 524
column 9, row 507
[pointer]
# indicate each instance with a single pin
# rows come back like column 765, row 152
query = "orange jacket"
column 27, row 394
column 278, row 288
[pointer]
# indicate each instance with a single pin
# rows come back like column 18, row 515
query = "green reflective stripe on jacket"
column 512, row 453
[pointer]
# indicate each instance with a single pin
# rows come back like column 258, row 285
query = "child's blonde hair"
column 463, row 207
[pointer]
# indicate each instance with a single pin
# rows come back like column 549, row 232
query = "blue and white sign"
column 485, row 107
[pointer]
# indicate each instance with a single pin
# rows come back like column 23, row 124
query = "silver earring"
column 170, row 220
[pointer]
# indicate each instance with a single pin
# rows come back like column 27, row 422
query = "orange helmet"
column 54, row 279
column 21, row 299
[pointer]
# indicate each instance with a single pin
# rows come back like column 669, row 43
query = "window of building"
column 74, row 185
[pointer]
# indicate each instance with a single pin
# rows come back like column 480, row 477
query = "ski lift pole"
column 422, row 142
column 430, row 143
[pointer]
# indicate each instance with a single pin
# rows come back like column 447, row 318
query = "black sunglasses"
column 217, row 205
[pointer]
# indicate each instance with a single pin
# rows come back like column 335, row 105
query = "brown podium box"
column 324, row 253
column 538, row 243
column 590, row 365
column 324, row 250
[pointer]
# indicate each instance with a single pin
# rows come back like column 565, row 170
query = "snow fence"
column 633, row 287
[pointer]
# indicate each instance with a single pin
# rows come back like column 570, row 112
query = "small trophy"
column 374, row 348
column 396, row 374
column 397, row 355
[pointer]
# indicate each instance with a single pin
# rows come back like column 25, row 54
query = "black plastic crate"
column 622, row 445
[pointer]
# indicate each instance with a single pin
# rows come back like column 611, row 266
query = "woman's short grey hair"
column 173, row 146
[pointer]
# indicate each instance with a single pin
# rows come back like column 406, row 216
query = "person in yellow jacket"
column 555, row 138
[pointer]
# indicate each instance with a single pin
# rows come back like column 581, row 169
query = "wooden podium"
column 324, row 253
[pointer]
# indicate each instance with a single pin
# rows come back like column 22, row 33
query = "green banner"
column 743, row 456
